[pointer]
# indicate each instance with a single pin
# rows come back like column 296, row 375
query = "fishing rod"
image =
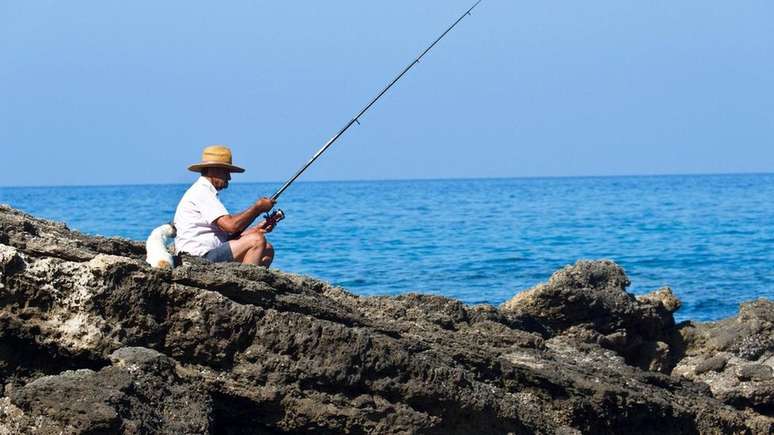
column 279, row 215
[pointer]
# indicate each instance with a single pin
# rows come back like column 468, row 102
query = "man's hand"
column 250, row 230
column 261, row 226
column 265, row 204
column 266, row 226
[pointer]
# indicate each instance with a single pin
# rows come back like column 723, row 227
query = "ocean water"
column 709, row 237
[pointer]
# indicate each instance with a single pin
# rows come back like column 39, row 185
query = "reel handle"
column 274, row 217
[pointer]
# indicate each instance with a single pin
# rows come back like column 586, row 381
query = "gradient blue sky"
column 114, row 92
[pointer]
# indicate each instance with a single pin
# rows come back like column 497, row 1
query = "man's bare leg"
column 250, row 248
column 254, row 256
column 268, row 255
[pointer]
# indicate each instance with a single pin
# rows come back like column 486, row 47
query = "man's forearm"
column 235, row 223
column 242, row 220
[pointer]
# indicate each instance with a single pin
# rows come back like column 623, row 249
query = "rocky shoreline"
column 94, row 341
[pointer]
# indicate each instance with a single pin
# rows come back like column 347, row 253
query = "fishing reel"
column 274, row 217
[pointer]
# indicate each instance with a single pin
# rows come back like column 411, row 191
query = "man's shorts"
column 221, row 254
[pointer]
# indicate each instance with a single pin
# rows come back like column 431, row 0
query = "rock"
column 655, row 356
column 754, row 372
column 733, row 356
column 716, row 364
column 114, row 399
column 663, row 296
column 592, row 295
column 92, row 340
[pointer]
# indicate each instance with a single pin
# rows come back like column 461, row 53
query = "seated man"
column 204, row 226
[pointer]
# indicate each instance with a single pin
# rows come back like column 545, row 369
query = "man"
column 204, row 226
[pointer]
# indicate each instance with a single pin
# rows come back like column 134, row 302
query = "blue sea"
column 708, row 237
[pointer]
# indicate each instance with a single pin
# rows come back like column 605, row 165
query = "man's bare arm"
column 234, row 223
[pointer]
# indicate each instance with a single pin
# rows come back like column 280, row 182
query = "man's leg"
column 249, row 248
column 268, row 255
column 254, row 256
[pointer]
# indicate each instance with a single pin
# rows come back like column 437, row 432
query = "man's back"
column 195, row 219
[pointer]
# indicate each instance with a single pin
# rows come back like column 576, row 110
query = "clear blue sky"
column 114, row 92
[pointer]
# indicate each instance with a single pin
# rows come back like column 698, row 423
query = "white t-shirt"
column 195, row 218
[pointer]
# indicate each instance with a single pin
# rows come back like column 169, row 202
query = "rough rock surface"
column 94, row 341
column 589, row 302
column 735, row 356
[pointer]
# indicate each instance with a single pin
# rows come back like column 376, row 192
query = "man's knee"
column 257, row 240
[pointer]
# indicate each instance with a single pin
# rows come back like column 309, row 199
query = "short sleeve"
column 210, row 207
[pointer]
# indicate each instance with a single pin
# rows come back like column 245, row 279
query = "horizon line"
column 523, row 177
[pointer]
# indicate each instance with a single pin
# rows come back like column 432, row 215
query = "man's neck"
column 209, row 180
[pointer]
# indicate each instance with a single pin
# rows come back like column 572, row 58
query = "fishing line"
column 354, row 120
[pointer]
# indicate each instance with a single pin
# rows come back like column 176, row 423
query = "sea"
column 708, row 237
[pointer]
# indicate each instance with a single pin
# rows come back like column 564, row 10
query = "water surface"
column 708, row 237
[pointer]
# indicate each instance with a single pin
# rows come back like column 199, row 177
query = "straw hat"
column 215, row 156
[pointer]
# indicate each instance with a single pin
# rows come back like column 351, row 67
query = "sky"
column 115, row 92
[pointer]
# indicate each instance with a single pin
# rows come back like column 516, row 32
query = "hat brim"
column 199, row 166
